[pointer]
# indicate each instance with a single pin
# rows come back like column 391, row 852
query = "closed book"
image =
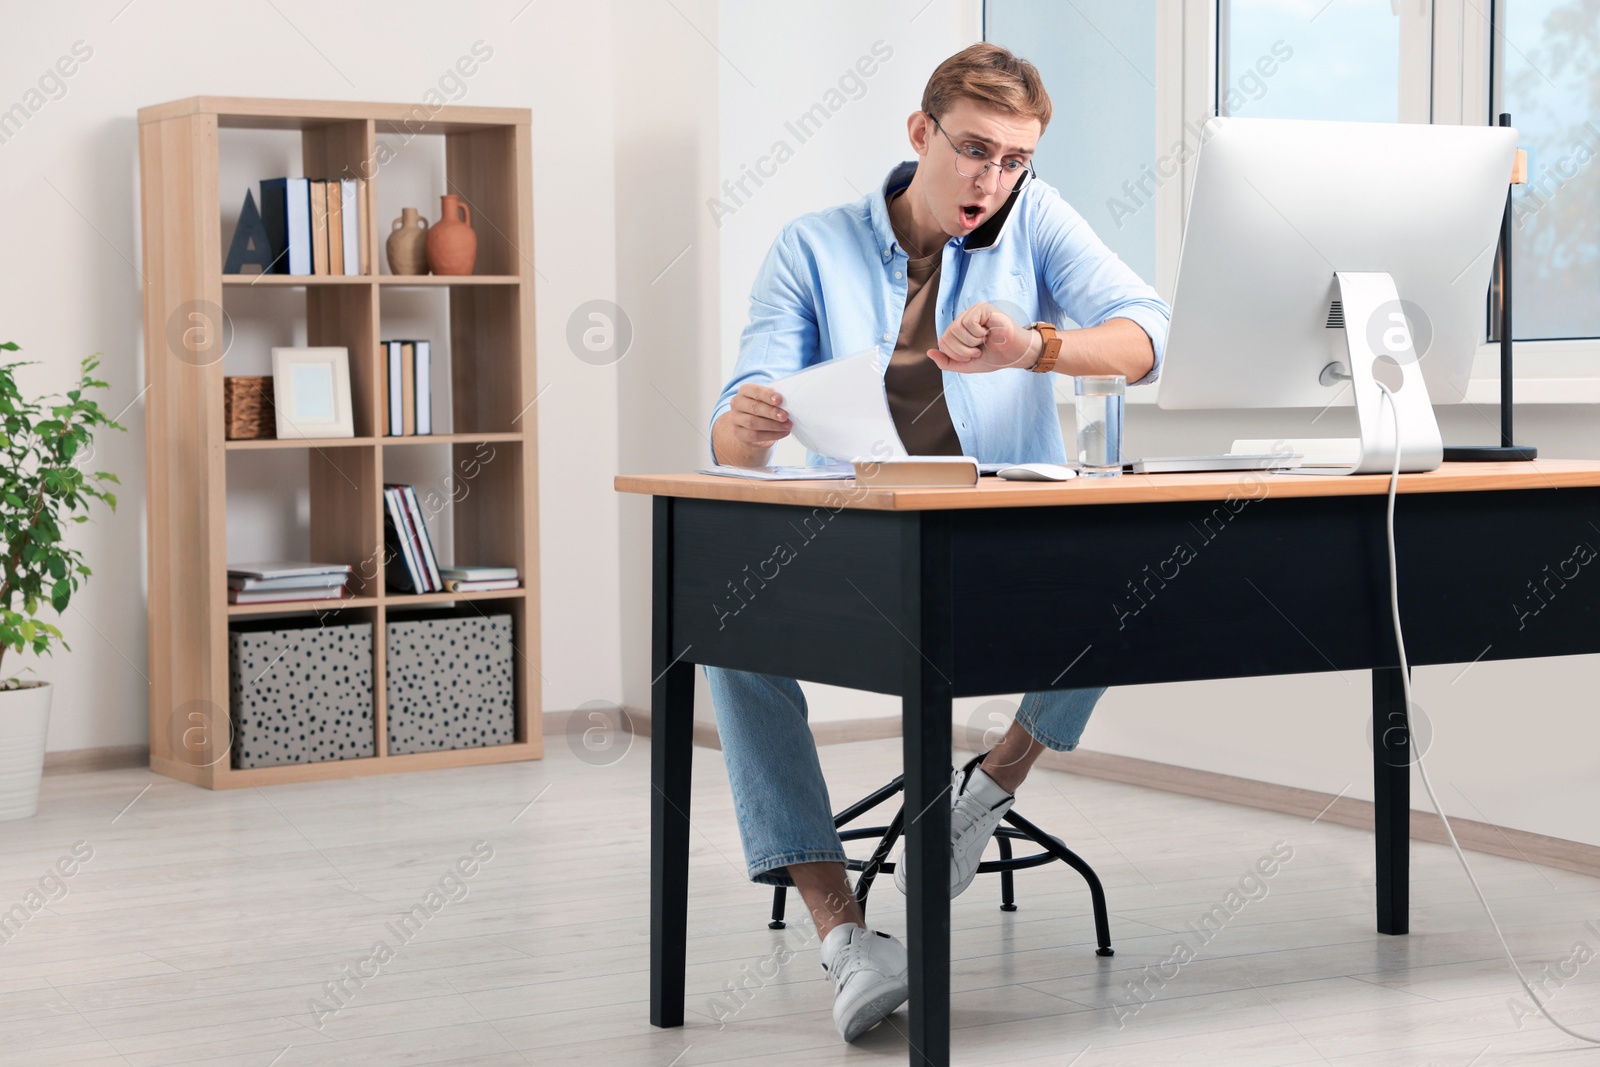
column 409, row 494
column 349, row 217
column 424, row 416
column 406, row 524
column 397, row 417
column 286, row 569
column 319, row 226
column 363, row 227
column 335, row 226
column 408, row 387
column 917, row 472
column 455, row 585
column 400, row 570
column 286, row 213
column 296, row 581
column 477, row 574
column 279, row 596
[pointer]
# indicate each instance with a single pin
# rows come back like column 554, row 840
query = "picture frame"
column 311, row 388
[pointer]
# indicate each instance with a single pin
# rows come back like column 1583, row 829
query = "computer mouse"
column 1037, row 472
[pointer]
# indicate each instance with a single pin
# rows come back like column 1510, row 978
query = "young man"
column 956, row 268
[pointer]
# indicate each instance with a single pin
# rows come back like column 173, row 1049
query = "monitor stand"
column 1372, row 314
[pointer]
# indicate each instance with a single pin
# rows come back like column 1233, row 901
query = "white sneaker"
column 868, row 969
column 977, row 805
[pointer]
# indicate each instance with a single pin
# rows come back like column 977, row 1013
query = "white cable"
column 1405, row 681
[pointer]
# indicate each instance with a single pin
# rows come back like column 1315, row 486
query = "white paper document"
column 839, row 409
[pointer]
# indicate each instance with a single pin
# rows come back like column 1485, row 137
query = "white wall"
column 667, row 261
column 71, row 283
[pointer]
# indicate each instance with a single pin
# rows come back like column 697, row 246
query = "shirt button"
column 887, row 253
column 886, row 337
column 897, row 274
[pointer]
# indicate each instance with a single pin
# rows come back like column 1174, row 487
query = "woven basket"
column 247, row 407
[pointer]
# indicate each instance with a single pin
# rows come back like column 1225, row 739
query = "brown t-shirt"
column 914, row 382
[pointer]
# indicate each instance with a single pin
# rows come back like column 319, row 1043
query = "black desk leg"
column 1391, row 786
column 926, row 747
column 672, row 733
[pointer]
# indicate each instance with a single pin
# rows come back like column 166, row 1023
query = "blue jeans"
column 779, row 797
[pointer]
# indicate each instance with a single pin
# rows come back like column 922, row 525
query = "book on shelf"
column 400, row 565
column 406, row 538
column 281, row 596
column 408, row 386
column 308, row 581
column 458, row 585
column 286, row 214
column 349, row 212
column 273, row 582
column 409, row 495
column 290, row 569
column 316, row 226
column 334, row 189
column 319, row 226
column 423, row 415
column 469, row 573
column 363, row 213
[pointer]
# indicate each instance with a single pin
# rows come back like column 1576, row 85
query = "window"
column 1098, row 60
column 1546, row 74
column 1309, row 59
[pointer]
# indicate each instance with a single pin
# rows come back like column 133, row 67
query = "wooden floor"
column 208, row 927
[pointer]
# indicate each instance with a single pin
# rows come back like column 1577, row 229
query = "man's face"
column 962, row 204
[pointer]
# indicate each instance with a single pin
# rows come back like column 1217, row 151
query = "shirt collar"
column 986, row 236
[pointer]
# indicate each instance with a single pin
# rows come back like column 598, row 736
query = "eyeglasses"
column 1010, row 171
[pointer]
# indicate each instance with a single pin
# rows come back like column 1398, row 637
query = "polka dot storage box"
column 301, row 691
column 448, row 681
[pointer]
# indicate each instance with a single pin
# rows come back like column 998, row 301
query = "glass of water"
column 1099, row 401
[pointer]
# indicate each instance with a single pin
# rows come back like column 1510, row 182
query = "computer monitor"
column 1317, row 255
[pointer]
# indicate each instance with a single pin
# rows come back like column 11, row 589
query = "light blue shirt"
column 833, row 285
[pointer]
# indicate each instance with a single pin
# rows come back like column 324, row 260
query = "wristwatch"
column 1052, row 347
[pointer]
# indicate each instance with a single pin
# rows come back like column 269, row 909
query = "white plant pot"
column 24, row 723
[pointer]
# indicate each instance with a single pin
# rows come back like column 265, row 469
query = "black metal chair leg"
column 780, row 895
column 1008, row 895
column 879, row 854
column 867, row 803
column 1097, row 894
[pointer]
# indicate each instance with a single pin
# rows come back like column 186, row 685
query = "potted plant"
column 42, row 490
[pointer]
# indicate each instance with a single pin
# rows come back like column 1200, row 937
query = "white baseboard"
column 1310, row 804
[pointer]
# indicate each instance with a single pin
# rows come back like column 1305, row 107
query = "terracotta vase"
column 407, row 247
column 452, row 246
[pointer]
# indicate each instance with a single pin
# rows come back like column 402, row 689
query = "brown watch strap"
column 1052, row 348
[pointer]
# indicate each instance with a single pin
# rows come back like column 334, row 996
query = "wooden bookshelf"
column 492, row 374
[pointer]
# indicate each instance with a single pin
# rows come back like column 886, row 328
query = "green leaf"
column 60, row 594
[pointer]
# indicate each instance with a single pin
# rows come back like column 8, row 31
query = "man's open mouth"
column 970, row 213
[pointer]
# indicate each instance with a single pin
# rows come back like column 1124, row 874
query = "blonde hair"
column 989, row 75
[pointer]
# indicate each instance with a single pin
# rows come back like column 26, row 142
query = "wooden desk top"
column 1126, row 489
